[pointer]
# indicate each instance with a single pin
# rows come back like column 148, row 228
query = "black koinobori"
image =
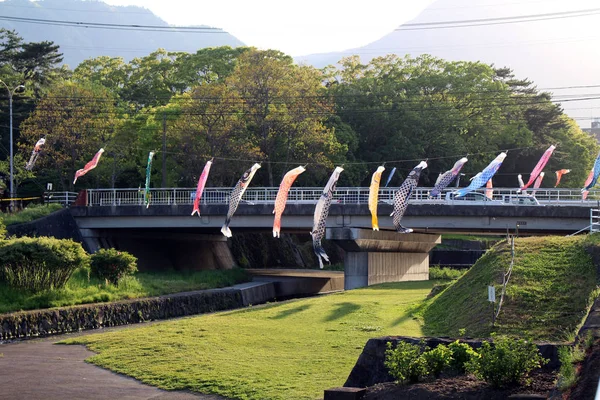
column 402, row 195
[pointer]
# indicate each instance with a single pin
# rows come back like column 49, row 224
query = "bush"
column 445, row 273
column 38, row 264
column 506, row 361
column 461, row 354
column 405, row 362
column 437, row 359
column 112, row 265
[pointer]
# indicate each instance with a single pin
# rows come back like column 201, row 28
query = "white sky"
column 296, row 28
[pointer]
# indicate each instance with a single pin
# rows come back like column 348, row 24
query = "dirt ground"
column 461, row 387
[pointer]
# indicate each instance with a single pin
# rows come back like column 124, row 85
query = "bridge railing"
column 342, row 195
column 64, row 198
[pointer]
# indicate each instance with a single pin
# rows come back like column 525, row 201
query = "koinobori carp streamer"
column 321, row 213
column 282, row 195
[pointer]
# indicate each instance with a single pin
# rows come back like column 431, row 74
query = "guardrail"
column 64, row 198
column 342, row 195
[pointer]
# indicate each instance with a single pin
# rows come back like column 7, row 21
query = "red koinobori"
column 89, row 166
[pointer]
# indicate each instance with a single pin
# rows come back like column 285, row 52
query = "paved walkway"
column 39, row 369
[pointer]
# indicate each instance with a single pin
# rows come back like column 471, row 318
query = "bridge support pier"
column 374, row 257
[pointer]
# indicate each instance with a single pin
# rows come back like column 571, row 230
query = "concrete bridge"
column 166, row 234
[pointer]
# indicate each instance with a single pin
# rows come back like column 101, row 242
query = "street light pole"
column 10, row 97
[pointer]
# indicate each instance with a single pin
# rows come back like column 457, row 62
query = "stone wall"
column 94, row 316
column 369, row 370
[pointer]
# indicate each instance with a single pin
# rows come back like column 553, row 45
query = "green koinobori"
column 148, row 173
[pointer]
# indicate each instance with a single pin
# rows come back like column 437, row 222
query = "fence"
column 64, row 198
column 185, row 196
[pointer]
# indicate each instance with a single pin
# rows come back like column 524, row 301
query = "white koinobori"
column 236, row 196
column 321, row 213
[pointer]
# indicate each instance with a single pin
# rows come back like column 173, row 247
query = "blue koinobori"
column 483, row 177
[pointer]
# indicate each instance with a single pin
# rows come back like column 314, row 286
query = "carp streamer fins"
column 236, row 196
column 321, row 213
column 282, row 195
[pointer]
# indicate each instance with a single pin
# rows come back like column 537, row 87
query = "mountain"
column 79, row 43
column 553, row 53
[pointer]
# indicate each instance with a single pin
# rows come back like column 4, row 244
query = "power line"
column 147, row 12
column 497, row 21
column 128, row 27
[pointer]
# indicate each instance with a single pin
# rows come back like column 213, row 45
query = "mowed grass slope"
column 290, row 350
column 551, row 286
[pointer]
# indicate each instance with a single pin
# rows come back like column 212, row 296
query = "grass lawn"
column 81, row 290
column 552, row 284
column 30, row 213
column 290, row 350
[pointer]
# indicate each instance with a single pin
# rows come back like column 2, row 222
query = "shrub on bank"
column 405, row 362
column 502, row 363
column 37, row 264
column 112, row 265
column 506, row 361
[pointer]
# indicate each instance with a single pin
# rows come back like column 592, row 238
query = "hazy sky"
column 296, row 28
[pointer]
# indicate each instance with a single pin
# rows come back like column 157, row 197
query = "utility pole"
column 164, row 152
column 10, row 96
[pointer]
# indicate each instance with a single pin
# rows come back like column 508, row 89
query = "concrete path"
column 39, row 369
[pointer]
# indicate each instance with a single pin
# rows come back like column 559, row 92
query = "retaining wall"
column 99, row 315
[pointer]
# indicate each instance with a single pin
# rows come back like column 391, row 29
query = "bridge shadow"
column 341, row 310
column 291, row 311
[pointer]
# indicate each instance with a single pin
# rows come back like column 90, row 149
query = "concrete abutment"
column 374, row 257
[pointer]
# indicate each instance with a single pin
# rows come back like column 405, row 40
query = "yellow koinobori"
column 374, row 196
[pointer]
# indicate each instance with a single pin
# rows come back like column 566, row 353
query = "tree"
column 285, row 109
column 76, row 120
column 425, row 107
column 211, row 125
column 20, row 174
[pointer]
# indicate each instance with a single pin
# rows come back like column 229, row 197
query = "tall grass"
column 81, row 289
column 31, row 213
column 445, row 273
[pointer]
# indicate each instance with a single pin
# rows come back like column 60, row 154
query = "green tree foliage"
column 285, row 111
column 153, row 80
column 76, row 120
column 425, row 107
column 210, row 124
column 37, row 264
column 20, row 174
